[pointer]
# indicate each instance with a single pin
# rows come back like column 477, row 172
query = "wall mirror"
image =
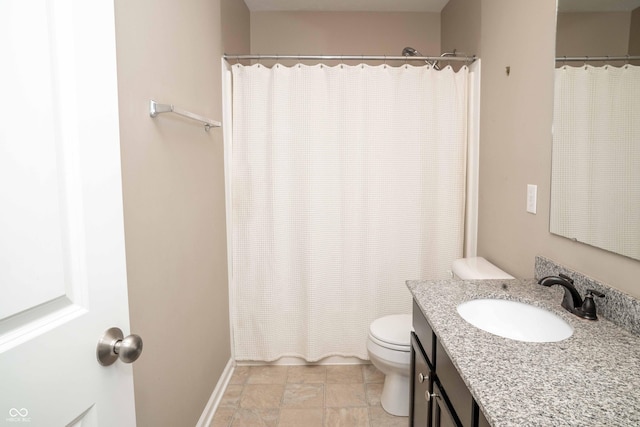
column 595, row 188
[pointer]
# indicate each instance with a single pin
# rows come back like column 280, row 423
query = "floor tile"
column 255, row 418
column 344, row 395
column 267, row 375
column 372, row 374
column 231, row 396
column 223, row 417
column 307, row 374
column 297, row 417
column 303, row 396
column 341, row 374
column 240, row 375
column 262, row 396
column 378, row 417
column 346, row 417
column 373, row 393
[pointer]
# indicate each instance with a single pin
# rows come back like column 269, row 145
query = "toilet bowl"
column 389, row 349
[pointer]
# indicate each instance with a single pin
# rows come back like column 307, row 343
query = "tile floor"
column 305, row 396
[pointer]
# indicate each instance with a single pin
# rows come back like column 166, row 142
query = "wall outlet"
column 532, row 198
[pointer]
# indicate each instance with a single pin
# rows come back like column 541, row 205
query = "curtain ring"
column 586, row 59
column 385, row 61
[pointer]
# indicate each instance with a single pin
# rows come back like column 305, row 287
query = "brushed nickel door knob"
column 113, row 346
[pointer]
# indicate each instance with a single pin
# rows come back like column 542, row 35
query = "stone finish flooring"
column 305, row 396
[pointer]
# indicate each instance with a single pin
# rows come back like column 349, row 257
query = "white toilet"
column 389, row 345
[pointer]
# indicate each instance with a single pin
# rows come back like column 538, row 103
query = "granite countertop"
column 589, row 379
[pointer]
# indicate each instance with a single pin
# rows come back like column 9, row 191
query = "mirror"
column 595, row 189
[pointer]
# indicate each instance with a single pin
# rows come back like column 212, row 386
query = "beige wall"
column 593, row 33
column 634, row 34
column 344, row 33
column 173, row 189
column 515, row 147
column 235, row 26
column 460, row 26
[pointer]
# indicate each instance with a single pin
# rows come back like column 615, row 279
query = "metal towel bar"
column 156, row 108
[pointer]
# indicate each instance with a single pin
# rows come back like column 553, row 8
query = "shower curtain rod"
column 596, row 58
column 350, row 57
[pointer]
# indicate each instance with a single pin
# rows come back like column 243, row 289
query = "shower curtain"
column 346, row 181
column 595, row 192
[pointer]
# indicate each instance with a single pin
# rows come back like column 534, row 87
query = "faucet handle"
column 567, row 278
column 588, row 308
column 594, row 292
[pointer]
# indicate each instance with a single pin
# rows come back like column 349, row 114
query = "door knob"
column 113, row 346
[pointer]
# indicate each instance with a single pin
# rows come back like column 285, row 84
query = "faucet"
column 572, row 301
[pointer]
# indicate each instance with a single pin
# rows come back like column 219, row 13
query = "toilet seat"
column 392, row 332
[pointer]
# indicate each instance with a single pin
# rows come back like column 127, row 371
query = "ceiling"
column 347, row 5
column 419, row 5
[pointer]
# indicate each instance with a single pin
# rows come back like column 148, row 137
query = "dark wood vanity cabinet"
column 439, row 396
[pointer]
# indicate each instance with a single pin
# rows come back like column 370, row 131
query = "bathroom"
column 173, row 180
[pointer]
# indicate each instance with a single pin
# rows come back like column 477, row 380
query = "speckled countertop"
column 589, row 379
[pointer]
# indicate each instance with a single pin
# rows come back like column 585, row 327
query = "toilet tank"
column 477, row 268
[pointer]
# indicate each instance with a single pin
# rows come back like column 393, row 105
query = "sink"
column 515, row 320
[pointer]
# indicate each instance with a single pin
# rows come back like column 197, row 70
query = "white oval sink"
column 515, row 320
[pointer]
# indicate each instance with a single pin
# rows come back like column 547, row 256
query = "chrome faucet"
column 572, row 301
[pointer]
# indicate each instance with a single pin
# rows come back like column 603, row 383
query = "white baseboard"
column 210, row 409
column 292, row 361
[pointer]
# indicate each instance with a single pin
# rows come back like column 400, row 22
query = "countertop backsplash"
column 618, row 307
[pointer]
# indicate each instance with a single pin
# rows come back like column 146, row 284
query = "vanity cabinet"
column 443, row 398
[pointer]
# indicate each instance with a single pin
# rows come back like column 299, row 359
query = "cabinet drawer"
column 455, row 388
column 425, row 335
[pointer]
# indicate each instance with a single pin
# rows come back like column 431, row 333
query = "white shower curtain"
column 346, row 181
column 596, row 152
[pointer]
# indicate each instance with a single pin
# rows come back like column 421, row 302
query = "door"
column 62, row 260
column 421, row 386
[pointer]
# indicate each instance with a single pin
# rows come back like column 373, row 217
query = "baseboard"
column 212, row 405
column 293, row 361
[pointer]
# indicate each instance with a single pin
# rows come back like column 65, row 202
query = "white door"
column 62, row 260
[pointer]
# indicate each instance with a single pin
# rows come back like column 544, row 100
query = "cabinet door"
column 421, row 386
column 442, row 414
column 456, row 390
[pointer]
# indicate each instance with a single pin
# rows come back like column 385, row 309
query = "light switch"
column 532, row 198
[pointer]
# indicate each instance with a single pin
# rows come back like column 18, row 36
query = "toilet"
column 389, row 345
